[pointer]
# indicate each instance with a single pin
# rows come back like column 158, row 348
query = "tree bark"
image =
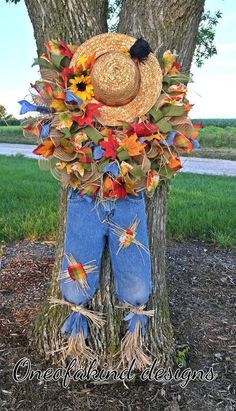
column 166, row 25
column 71, row 20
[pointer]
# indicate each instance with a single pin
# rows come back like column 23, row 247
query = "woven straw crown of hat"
column 128, row 89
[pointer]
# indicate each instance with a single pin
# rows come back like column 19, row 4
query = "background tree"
column 205, row 47
column 166, row 25
column 3, row 111
column 4, row 115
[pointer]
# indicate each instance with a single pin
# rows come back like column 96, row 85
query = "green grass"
column 203, row 207
column 13, row 134
column 200, row 207
column 28, row 202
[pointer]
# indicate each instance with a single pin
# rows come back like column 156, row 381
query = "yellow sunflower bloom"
column 81, row 86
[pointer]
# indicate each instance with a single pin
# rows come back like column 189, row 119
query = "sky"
column 213, row 91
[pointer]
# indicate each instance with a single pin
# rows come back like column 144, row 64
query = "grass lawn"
column 200, row 207
column 203, row 207
column 28, row 202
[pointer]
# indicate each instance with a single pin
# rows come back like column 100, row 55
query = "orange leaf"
column 90, row 61
column 45, row 149
column 61, row 165
column 174, row 163
column 196, row 128
column 74, row 182
column 130, row 185
column 132, row 146
column 107, row 184
column 32, row 129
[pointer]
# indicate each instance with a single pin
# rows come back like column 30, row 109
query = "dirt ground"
column 201, row 281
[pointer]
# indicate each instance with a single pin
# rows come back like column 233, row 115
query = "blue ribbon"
column 71, row 97
column 132, row 319
column 26, row 107
column 170, row 137
column 112, row 168
column 97, row 152
column 45, row 130
column 74, row 324
column 196, row 144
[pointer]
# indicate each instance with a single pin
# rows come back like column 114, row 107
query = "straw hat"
column 127, row 88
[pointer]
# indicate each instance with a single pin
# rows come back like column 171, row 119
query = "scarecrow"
column 111, row 123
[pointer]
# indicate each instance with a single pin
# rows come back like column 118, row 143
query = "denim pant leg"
column 132, row 265
column 84, row 240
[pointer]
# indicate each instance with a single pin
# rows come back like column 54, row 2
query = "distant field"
column 216, row 142
column 13, row 134
column 200, row 207
column 218, row 137
column 219, row 122
column 222, row 153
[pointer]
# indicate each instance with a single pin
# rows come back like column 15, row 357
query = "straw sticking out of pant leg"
column 131, row 349
column 76, row 348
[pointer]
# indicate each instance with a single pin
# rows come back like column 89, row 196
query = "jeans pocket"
column 135, row 199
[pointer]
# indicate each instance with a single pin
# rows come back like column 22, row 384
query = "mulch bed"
column 201, row 282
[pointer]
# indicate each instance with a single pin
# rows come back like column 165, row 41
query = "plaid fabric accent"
column 77, row 272
column 127, row 237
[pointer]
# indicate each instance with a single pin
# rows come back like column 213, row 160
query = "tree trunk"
column 167, row 25
column 74, row 22
column 71, row 20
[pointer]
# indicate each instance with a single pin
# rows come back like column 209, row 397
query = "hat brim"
column 150, row 78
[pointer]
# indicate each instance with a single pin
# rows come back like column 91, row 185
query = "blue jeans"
column 88, row 227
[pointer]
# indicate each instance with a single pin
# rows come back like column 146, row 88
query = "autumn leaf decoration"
column 91, row 111
column 143, row 129
column 132, row 145
column 110, row 146
column 45, row 149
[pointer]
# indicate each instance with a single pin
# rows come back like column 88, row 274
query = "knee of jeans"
column 137, row 293
column 74, row 293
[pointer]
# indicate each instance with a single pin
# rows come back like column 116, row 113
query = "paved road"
column 190, row 164
column 208, row 166
column 13, row 149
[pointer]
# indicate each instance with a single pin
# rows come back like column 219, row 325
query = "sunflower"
column 81, row 86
